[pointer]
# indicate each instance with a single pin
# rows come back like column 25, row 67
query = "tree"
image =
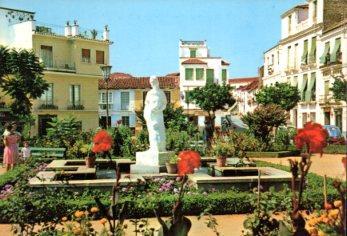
column 21, row 78
column 211, row 98
column 339, row 89
column 264, row 119
column 282, row 94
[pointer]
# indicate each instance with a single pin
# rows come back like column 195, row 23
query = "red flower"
column 102, row 142
column 187, row 162
column 313, row 136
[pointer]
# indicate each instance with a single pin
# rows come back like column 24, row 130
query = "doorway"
column 44, row 123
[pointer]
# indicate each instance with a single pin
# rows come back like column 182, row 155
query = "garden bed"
column 274, row 154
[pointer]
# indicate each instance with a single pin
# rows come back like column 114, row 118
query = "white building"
column 244, row 90
column 311, row 53
column 197, row 68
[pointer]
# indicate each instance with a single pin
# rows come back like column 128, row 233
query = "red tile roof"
column 249, row 87
column 193, row 61
column 116, row 82
column 243, row 80
column 225, row 63
column 173, row 74
column 120, row 75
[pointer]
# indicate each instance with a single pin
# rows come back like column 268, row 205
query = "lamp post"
column 106, row 71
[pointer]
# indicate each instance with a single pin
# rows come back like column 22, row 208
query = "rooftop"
column 18, row 10
column 193, row 61
column 243, row 80
column 125, row 81
column 300, row 6
column 249, row 87
column 193, row 42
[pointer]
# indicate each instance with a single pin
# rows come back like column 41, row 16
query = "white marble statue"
column 155, row 103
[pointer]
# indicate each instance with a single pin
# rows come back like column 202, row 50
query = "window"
column 336, row 54
column 224, row 75
column 199, row 73
column 187, row 96
column 47, row 55
column 102, row 100
column 100, row 57
column 288, row 56
column 125, row 120
column 304, row 118
column 47, row 96
column 304, row 53
column 189, row 73
column 85, row 55
column 168, row 96
column 314, row 10
column 278, row 57
column 124, row 99
column 313, row 116
column 75, row 95
column 289, row 24
column 325, row 58
column 209, row 76
column 303, row 87
column 312, row 54
column 295, row 54
column 144, row 94
column 272, row 59
column 326, row 89
column 192, row 52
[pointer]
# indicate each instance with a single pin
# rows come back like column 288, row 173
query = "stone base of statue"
column 150, row 162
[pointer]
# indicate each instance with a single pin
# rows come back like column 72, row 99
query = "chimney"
column 67, row 31
column 106, row 33
column 74, row 28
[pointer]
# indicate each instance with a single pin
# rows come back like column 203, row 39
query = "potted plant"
column 90, row 159
column 171, row 165
column 222, row 149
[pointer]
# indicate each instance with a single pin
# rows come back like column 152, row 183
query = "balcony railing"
column 103, row 106
column 75, row 105
column 301, row 26
column 60, row 65
column 47, row 106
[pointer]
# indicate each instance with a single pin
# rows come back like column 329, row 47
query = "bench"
column 42, row 152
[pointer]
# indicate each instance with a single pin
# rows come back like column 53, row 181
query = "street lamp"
column 106, row 71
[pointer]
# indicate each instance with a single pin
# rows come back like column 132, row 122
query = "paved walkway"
column 228, row 225
column 328, row 164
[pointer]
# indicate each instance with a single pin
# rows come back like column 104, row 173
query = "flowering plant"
column 313, row 136
column 102, row 142
column 187, row 162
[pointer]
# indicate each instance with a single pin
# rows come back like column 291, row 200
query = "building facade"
column 71, row 62
column 197, row 68
column 126, row 96
column 312, row 52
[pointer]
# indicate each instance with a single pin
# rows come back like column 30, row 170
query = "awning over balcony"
column 310, row 86
column 324, row 57
column 312, row 54
column 336, row 51
column 305, row 53
column 302, row 88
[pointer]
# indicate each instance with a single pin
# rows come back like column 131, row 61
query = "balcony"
column 59, row 66
column 327, row 100
column 47, row 106
column 102, row 106
column 301, row 26
column 75, row 106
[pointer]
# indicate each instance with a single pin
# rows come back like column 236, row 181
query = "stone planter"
column 221, row 161
column 171, row 168
column 90, row 162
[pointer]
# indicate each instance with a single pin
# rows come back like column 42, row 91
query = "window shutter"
column 336, row 51
column 85, row 55
column 209, row 76
column 199, row 73
column 100, row 57
column 189, row 73
column 77, row 94
column 224, row 75
column 310, row 85
column 71, row 93
column 192, row 52
column 47, row 55
column 124, row 97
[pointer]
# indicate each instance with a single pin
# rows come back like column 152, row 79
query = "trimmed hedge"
column 274, row 154
column 335, row 149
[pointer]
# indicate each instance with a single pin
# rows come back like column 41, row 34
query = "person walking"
column 11, row 149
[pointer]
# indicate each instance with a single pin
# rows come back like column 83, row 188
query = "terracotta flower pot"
column 90, row 162
column 221, row 161
column 171, row 168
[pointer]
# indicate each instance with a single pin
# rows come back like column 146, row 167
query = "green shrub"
column 177, row 140
column 13, row 175
column 335, row 149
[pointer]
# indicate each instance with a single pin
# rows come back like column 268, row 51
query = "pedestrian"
column 7, row 130
column 11, row 149
column 25, row 151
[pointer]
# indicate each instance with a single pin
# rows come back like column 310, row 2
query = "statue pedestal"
column 149, row 162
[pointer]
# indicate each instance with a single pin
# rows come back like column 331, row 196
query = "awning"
column 324, row 57
column 305, row 53
column 303, row 87
column 336, row 50
column 312, row 54
column 311, row 84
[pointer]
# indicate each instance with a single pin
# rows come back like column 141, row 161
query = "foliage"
column 141, row 141
column 283, row 139
column 212, row 97
column 173, row 159
column 21, row 78
column 335, row 149
column 122, row 141
column 222, row 148
column 313, row 137
column 339, row 89
column 64, row 132
column 282, row 94
column 177, row 140
column 263, row 120
column 211, row 221
column 242, row 142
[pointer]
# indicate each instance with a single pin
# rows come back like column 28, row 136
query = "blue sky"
column 146, row 33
